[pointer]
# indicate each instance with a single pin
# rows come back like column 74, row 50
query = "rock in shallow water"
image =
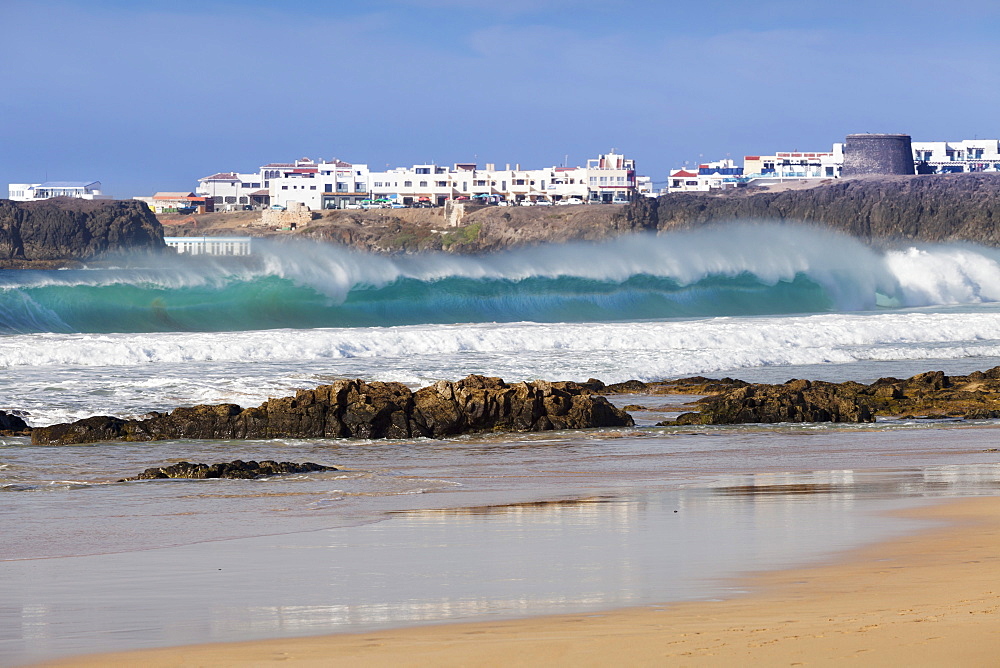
column 359, row 409
column 12, row 423
column 238, row 469
column 931, row 394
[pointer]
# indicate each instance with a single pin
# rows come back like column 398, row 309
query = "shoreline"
column 924, row 599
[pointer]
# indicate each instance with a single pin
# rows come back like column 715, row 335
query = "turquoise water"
column 737, row 271
column 267, row 302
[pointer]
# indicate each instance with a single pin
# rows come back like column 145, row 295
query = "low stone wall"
column 281, row 219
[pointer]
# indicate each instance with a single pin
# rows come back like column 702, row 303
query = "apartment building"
column 337, row 184
column 968, row 155
column 30, row 192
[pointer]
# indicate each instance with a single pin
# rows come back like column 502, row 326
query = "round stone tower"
column 877, row 154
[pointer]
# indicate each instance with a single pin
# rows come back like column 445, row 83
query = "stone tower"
column 877, row 154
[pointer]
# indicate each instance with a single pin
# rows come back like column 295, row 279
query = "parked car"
column 277, row 207
column 571, row 200
column 526, row 202
column 543, row 202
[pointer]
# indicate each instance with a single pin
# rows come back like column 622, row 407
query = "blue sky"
column 148, row 96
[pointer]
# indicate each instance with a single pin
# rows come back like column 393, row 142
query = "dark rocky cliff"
column 933, row 208
column 74, row 229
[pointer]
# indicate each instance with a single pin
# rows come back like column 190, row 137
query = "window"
column 312, row 187
column 359, row 187
column 407, row 184
column 441, row 184
column 328, row 187
column 481, row 183
column 518, row 182
column 217, row 200
column 230, row 200
column 378, row 184
column 284, row 187
column 244, row 200
column 423, row 170
column 423, row 184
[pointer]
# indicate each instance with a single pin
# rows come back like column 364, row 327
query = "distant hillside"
column 65, row 229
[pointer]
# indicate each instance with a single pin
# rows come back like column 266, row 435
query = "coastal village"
column 610, row 178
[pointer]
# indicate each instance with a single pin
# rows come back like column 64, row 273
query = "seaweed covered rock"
column 929, row 394
column 794, row 401
column 360, row 409
column 238, row 469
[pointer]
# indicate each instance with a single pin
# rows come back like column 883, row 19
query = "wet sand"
column 928, row 599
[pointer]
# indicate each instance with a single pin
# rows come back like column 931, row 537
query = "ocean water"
column 481, row 526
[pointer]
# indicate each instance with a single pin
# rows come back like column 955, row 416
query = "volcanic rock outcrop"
column 795, row 401
column 237, row 469
column 359, row 409
column 927, row 395
column 930, row 208
column 74, row 229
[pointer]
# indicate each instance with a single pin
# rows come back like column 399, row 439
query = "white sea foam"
column 731, row 341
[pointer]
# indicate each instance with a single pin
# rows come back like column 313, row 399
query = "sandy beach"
column 929, row 599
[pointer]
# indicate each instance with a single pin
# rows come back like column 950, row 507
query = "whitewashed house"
column 30, row 192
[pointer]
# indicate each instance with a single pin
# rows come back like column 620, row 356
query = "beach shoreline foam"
column 928, row 598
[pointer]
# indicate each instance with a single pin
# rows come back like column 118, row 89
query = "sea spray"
column 740, row 269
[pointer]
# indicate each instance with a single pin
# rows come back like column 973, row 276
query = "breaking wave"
column 743, row 269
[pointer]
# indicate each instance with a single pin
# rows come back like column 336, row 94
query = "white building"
column 231, row 191
column 709, row 176
column 968, row 155
column 316, row 185
column 210, row 245
column 30, row 192
column 332, row 185
column 794, row 165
